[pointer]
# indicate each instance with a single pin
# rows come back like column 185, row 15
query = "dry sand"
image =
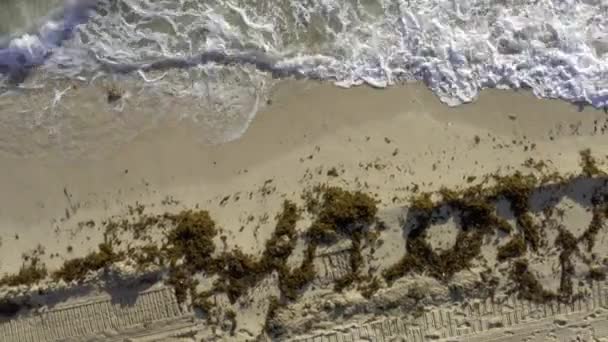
column 379, row 141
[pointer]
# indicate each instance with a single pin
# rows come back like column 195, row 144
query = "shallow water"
column 19, row 15
column 226, row 54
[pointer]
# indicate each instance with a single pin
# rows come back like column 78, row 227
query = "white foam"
column 558, row 48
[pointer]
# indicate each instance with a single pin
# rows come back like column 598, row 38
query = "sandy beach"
column 310, row 171
column 391, row 144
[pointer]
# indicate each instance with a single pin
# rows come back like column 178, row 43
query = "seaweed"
column 283, row 240
column 416, row 292
column 370, row 288
column 341, row 213
column 78, row 268
column 529, row 229
column 526, row 284
column 113, row 93
column 588, row 164
column 597, row 274
column 477, row 211
column 515, row 248
column 477, row 217
column 238, row 273
column 422, row 203
column 517, row 189
column 270, row 326
column 189, row 248
column 338, row 214
column 146, row 256
column 231, row 317
column 458, row 258
column 333, row 172
column 142, row 225
column 31, row 272
column 596, row 224
column 202, row 302
column 568, row 244
column 180, row 278
column 419, row 253
column 343, row 282
column 291, row 282
column 192, row 239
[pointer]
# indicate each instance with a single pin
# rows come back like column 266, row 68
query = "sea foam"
column 557, row 48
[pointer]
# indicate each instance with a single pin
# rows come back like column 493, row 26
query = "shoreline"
column 289, row 125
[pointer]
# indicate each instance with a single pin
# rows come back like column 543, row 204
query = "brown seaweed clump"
column 283, row 240
column 192, row 239
column 423, row 203
column 569, row 246
column 77, row 269
column 589, row 164
column 600, row 212
column 419, row 252
column 368, row 289
column 597, row 274
column 113, row 93
column 526, row 284
column 146, row 256
column 515, row 248
column 476, row 208
column 31, row 272
column 421, row 258
column 478, row 218
column 517, row 189
column 270, row 325
column 337, row 212
column 341, row 213
column 239, row 272
column 476, row 211
column 291, row 282
column 182, row 281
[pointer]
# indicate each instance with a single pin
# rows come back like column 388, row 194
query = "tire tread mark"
column 478, row 319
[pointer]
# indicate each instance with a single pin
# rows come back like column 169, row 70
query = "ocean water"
column 224, row 55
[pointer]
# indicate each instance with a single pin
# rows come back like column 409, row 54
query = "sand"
column 383, row 142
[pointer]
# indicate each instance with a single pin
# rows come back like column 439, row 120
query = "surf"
column 226, row 55
column 456, row 49
column 20, row 52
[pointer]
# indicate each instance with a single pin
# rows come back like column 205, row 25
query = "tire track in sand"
column 512, row 320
